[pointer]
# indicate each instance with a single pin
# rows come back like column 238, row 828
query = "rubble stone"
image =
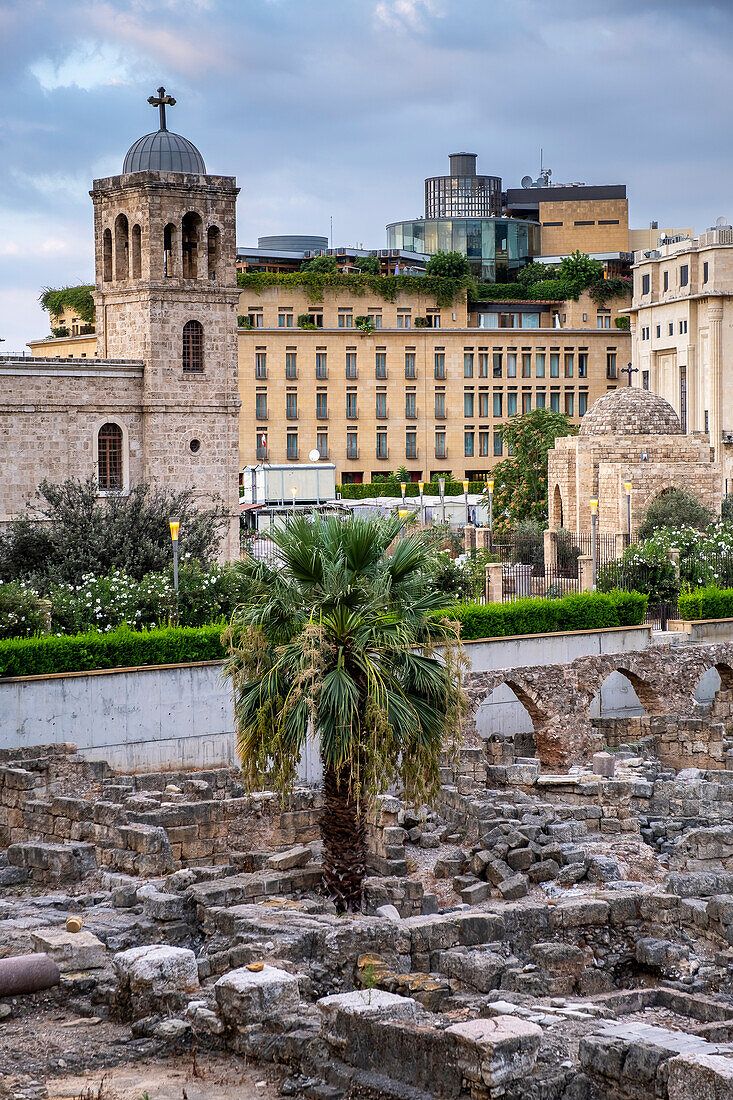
column 244, row 996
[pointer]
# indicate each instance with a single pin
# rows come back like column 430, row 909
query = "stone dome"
column 631, row 411
column 164, row 151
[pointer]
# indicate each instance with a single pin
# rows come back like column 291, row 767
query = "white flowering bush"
column 22, row 612
column 705, row 557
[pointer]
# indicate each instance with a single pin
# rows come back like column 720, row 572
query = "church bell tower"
column 166, row 294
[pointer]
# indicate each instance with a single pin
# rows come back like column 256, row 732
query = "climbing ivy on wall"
column 76, row 298
column 387, row 287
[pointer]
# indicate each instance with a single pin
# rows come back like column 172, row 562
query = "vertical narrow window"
column 666, row 280
column 213, row 250
column 539, row 364
column 498, row 402
column 382, row 451
column 411, row 444
column 381, row 406
column 511, row 364
column 645, row 379
column 352, row 445
column 684, row 274
column 169, row 254
column 483, row 364
column 440, row 364
column 262, row 445
column 261, row 364
column 321, row 365
column 554, row 365
column 468, row 364
column 610, row 364
column 109, row 458
column 322, row 444
column 498, row 443
column 582, row 404
column 511, row 404
column 136, row 252
column 526, row 364
column 555, row 402
column 122, row 245
column 539, row 399
column 261, row 406
column 351, row 410
column 351, row 364
column 483, row 444
column 410, row 407
column 190, row 236
column 569, row 404
column 193, row 347
column 483, row 404
column 292, row 445
column 645, row 284
column 291, row 364
column 526, row 402
column 380, row 365
column 410, row 371
column 468, row 439
column 569, row 364
column 497, row 364
column 705, row 271
column 440, row 451
column 440, row 405
column 583, row 364
column 107, row 255
column 468, row 404
column 322, row 407
column 291, row 406
column 683, row 398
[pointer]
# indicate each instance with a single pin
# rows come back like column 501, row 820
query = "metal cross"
column 629, row 371
column 160, row 101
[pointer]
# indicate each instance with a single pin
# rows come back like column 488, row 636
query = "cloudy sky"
column 339, row 108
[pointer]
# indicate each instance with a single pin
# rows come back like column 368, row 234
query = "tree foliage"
column 321, row 265
column 69, row 532
column 520, row 481
column 674, row 508
column 448, row 265
column 536, row 273
column 339, row 638
column 369, row 265
column 77, row 298
column 578, row 271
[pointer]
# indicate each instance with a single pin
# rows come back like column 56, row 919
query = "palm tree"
column 339, row 638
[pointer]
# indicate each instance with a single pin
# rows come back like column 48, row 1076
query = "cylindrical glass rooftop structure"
column 462, row 194
column 496, row 248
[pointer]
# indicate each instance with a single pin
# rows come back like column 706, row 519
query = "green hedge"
column 552, row 290
column 706, row 603
column 584, row 611
column 389, row 489
column 119, row 649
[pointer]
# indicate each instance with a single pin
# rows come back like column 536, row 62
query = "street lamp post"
column 490, row 487
column 593, row 521
column 465, row 499
column 174, row 525
column 627, row 487
column 294, row 491
column 441, row 490
column 403, row 490
column 420, row 487
column 403, row 514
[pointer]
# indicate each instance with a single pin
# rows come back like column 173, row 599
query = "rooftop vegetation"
column 317, row 284
column 78, row 299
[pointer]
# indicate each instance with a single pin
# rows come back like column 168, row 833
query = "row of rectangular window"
column 512, row 362
column 683, row 278
column 646, row 331
column 471, row 407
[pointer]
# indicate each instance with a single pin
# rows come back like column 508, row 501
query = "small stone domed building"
column 627, row 435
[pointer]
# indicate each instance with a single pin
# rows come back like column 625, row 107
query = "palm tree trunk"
column 342, row 833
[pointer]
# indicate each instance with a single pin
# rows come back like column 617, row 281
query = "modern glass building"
column 496, row 248
column 462, row 194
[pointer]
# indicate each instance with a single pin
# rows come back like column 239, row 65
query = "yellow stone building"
column 427, row 389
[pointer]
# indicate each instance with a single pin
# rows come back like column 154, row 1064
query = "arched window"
column 107, row 255
column 121, row 247
column 169, row 250
column 191, row 237
column 136, row 251
column 213, row 241
column 193, row 347
column 109, row 458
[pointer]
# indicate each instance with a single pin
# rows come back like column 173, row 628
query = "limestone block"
column 376, row 1003
column 159, row 905
column 70, row 950
column 496, row 1051
column 245, row 996
column 700, row 1077
column 297, row 856
column 157, row 969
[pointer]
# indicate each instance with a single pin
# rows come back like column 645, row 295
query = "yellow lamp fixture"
column 627, row 487
column 465, row 485
column 490, row 485
column 174, row 524
column 594, row 505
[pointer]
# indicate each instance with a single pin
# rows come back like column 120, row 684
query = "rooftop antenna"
column 331, row 231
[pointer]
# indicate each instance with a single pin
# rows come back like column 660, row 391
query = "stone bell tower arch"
column 166, row 293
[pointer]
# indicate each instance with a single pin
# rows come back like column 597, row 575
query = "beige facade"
column 682, row 333
column 419, row 397
column 643, row 239
column 590, row 225
column 629, row 436
column 160, row 374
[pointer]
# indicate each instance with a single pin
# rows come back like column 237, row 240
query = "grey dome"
column 164, row 151
column 630, row 411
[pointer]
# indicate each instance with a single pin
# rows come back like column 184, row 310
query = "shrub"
column 448, row 265
column 83, row 534
column 121, row 649
column 674, row 508
column 22, row 612
column 321, row 265
column 582, row 611
column 710, row 602
column 644, row 567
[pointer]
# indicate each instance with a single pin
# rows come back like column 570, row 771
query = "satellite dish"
column 721, row 222
column 540, row 181
column 527, row 181
column 314, row 455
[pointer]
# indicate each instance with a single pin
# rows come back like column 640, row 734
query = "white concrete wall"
column 182, row 716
